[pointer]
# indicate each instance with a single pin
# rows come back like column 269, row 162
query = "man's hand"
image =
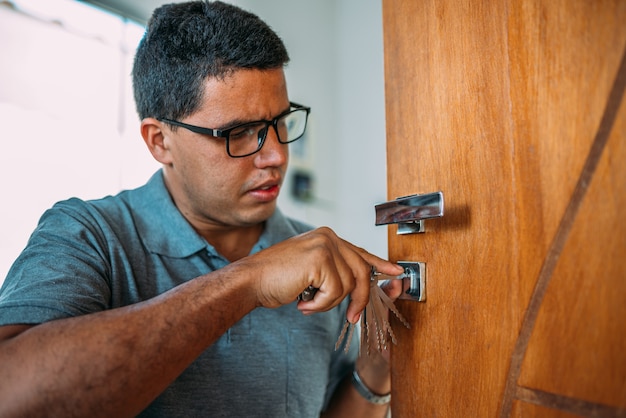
column 320, row 259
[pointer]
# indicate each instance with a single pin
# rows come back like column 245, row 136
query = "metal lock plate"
column 414, row 282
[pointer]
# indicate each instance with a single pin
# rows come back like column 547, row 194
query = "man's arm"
column 116, row 362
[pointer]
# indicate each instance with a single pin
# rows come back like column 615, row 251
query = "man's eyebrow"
column 236, row 122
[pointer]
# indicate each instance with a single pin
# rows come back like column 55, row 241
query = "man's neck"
column 234, row 244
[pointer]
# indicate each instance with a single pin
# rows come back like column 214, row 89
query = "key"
column 375, row 327
column 307, row 294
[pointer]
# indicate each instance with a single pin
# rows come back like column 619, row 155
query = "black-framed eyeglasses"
column 248, row 138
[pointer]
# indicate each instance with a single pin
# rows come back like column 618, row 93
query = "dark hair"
column 185, row 43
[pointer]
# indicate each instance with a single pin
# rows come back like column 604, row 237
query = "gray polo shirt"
column 89, row 256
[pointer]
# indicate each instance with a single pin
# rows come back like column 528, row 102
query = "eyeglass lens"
column 249, row 138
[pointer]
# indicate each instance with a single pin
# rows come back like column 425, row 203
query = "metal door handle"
column 409, row 212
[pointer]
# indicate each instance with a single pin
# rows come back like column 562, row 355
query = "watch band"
column 365, row 392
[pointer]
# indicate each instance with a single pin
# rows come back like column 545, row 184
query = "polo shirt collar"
column 165, row 231
column 160, row 224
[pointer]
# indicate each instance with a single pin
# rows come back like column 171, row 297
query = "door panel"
column 578, row 345
column 512, row 109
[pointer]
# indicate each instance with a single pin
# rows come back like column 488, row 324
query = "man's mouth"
column 266, row 192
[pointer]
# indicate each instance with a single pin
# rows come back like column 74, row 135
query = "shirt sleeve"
column 62, row 272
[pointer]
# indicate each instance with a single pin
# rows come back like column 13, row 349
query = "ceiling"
column 139, row 11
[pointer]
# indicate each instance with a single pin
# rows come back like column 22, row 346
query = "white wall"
column 67, row 125
column 361, row 108
column 70, row 131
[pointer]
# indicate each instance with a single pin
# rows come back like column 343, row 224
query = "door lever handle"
column 409, row 212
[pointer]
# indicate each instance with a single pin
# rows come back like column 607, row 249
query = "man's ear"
column 154, row 134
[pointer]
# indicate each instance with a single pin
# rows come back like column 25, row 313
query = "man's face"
column 211, row 189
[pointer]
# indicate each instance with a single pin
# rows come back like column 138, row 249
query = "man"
column 180, row 298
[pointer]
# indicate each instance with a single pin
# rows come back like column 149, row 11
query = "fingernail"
column 356, row 319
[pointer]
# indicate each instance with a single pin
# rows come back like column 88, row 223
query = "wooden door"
column 514, row 110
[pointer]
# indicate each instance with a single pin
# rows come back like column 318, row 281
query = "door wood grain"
column 514, row 110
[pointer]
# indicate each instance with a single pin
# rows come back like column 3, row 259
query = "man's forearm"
column 98, row 364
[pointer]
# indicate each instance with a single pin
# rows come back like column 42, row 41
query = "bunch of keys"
column 375, row 325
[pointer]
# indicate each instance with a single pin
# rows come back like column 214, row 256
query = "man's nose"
column 273, row 153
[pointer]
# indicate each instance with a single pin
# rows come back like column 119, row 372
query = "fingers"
column 348, row 273
column 353, row 267
column 319, row 258
column 384, row 266
column 330, row 288
column 393, row 288
column 360, row 295
column 335, row 288
column 359, row 277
